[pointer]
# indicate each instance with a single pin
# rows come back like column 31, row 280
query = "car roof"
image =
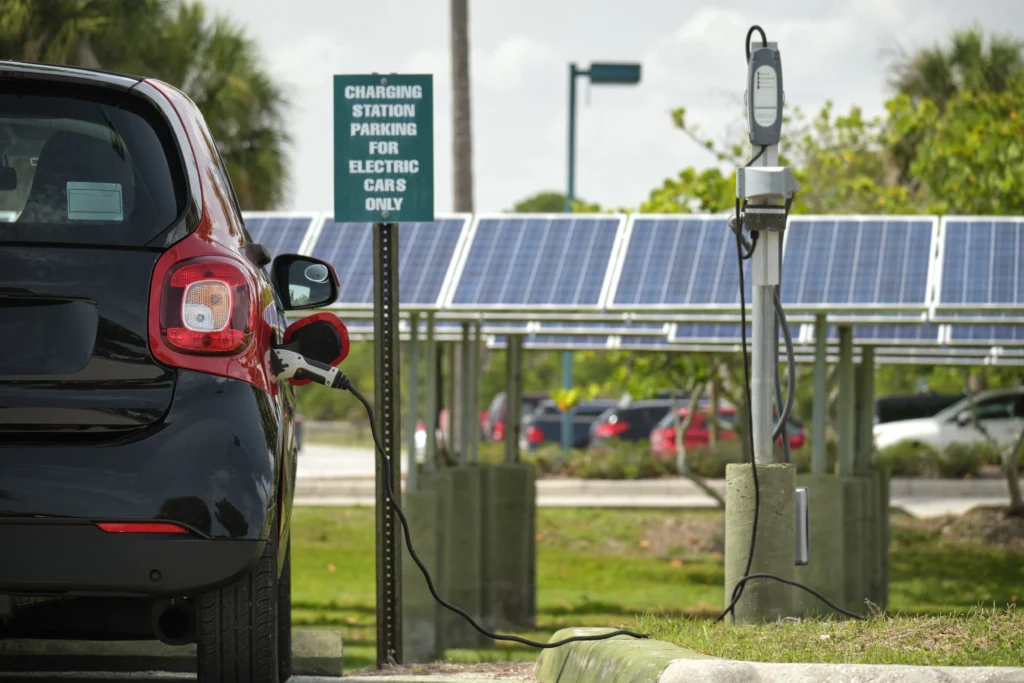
column 10, row 69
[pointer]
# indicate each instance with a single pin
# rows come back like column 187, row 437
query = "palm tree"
column 462, row 137
column 212, row 61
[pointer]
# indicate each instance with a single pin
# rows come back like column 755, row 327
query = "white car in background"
column 1000, row 412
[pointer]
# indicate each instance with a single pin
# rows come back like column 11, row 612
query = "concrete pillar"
column 853, row 544
column 819, row 418
column 883, row 537
column 508, row 493
column 464, row 558
column 846, row 402
column 872, row 553
column 439, row 482
column 419, row 610
column 824, row 572
column 776, row 539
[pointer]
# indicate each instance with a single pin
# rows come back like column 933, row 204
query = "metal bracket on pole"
column 385, row 357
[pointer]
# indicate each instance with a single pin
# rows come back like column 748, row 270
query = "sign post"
column 384, row 174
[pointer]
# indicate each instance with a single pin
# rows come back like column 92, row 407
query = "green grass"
column 979, row 637
column 606, row 567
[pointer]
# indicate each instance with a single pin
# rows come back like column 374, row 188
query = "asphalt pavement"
column 157, row 677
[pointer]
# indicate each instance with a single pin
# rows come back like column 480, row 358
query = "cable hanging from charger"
column 344, row 383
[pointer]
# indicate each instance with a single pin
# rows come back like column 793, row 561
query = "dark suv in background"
column 147, row 451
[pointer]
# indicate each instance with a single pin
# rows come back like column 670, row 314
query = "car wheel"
column 284, row 618
column 238, row 627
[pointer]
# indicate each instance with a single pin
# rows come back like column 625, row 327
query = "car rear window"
column 84, row 165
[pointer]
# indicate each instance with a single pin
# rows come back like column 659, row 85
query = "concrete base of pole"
column 439, row 482
column 507, row 545
column 853, row 544
column 872, row 539
column 825, row 570
column 464, row 560
column 883, row 538
column 419, row 611
column 762, row 600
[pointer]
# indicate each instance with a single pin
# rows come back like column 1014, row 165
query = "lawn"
column 663, row 571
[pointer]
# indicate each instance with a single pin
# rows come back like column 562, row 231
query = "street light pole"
column 598, row 73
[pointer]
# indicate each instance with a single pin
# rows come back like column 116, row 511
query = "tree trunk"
column 84, row 56
column 680, row 427
column 1010, row 460
column 462, row 137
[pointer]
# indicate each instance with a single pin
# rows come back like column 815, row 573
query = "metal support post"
column 847, row 404
column 385, row 351
column 567, row 381
column 865, row 408
column 478, row 341
column 819, row 451
column 570, row 195
column 765, row 270
column 514, row 394
column 412, row 416
column 466, row 412
column 430, row 418
column 451, row 399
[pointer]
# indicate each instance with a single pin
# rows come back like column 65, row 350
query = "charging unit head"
column 764, row 95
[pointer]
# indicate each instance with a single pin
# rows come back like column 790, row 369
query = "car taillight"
column 141, row 528
column 663, row 436
column 498, row 431
column 533, row 435
column 608, row 430
column 205, row 307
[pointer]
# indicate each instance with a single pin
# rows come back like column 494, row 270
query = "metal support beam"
column 385, row 352
column 466, row 412
column 412, row 414
column 819, row 419
column 451, row 396
column 865, row 408
column 514, row 394
column 478, row 343
column 567, row 383
column 847, row 402
column 430, row 418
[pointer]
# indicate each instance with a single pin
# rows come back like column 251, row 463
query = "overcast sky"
column 692, row 56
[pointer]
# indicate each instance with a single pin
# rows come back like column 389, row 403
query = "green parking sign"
column 383, row 148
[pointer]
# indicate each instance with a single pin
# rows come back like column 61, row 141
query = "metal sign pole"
column 385, row 358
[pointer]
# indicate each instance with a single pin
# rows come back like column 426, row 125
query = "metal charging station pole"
column 385, row 355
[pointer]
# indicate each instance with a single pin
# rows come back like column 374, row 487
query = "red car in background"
column 663, row 436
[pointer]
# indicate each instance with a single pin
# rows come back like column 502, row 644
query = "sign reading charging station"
column 383, row 148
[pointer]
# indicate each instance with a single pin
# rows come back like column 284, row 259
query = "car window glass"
column 995, row 408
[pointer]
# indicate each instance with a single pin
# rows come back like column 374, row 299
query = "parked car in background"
column 545, row 424
column 494, row 421
column 630, row 422
column 663, row 436
column 999, row 412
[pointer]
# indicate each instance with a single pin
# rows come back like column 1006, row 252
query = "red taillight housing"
column 498, row 431
column 608, row 430
column 534, row 435
column 205, row 307
column 663, row 438
column 141, row 528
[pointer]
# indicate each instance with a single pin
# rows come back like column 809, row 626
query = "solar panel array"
column 963, row 273
column 425, row 253
column 535, row 262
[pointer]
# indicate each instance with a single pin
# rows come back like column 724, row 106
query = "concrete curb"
column 627, row 660
column 314, row 653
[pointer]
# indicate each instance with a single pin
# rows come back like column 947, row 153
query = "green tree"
column 210, row 59
column 552, row 202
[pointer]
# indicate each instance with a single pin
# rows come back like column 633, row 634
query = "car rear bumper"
column 76, row 558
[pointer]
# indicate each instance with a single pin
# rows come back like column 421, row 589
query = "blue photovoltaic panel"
column 857, row 262
column 987, row 335
column 537, row 261
column 637, row 342
column 719, row 333
column 981, row 262
column 885, row 335
column 591, row 327
column 680, row 261
column 425, row 252
column 551, row 341
column 278, row 234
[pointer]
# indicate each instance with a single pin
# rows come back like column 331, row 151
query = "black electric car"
column 147, row 451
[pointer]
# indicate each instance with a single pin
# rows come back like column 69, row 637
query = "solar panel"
column 887, row 335
column 551, row 342
column 536, row 262
column 987, row 335
column 867, row 263
column 642, row 343
column 279, row 233
column 718, row 333
column 425, row 254
column 981, row 270
column 677, row 262
column 603, row 328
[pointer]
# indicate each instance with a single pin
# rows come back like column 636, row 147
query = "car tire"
column 237, row 626
column 284, row 618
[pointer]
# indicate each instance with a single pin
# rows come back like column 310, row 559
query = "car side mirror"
column 304, row 281
column 965, row 418
column 320, row 337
